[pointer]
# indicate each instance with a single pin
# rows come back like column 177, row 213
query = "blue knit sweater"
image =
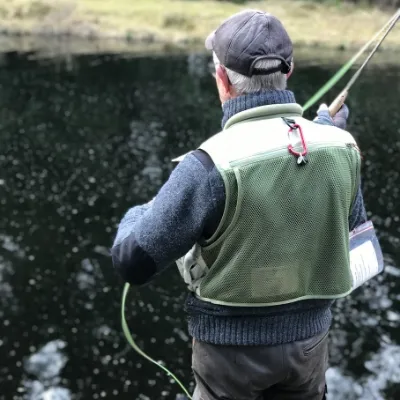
column 187, row 210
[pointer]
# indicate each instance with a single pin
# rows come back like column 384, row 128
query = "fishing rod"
column 333, row 108
column 346, row 67
column 340, row 99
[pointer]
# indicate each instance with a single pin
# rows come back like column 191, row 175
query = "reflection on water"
column 45, row 366
column 384, row 371
column 48, row 362
column 83, row 140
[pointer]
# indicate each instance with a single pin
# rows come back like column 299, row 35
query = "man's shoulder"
column 204, row 159
column 198, row 164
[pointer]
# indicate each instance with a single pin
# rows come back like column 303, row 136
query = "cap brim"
column 210, row 41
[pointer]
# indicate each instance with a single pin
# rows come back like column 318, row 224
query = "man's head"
column 252, row 51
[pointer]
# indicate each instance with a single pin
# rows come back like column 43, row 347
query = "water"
column 81, row 140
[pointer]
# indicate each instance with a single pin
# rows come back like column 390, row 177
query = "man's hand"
column 339, row 120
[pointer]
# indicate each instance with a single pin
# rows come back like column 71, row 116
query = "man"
column 258, row 217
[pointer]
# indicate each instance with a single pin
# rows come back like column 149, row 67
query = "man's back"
column 232, row 210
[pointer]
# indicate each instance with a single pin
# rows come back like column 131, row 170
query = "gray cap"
column 250, row 36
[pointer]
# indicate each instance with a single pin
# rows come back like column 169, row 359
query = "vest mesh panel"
column 277, row 248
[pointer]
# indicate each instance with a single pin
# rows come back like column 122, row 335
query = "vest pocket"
column 278, row 282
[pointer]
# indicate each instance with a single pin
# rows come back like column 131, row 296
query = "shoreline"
column 178, row 25
column 44, row 47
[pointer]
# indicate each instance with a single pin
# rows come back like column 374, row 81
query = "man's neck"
column 257, row 99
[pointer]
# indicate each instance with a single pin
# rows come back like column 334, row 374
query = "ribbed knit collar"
column 258, row 99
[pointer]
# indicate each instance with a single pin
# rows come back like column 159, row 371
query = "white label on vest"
column 363, row 263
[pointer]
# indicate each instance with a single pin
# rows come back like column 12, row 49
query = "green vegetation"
column 329, row 23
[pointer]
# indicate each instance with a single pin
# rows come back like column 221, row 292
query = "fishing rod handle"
column 338, row 103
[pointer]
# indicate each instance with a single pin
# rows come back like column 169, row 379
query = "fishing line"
column 386, row 29
column 342, row 71
column 135, row 347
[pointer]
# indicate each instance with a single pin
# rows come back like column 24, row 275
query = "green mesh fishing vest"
column 284, row 234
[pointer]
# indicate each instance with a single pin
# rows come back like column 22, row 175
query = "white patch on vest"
column 260, row 136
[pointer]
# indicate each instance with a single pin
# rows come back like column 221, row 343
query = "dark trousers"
column 293, row 371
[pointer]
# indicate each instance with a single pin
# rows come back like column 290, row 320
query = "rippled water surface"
column 84, row 138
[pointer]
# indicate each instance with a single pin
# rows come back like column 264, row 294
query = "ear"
column 291, row 71
column 224, row 86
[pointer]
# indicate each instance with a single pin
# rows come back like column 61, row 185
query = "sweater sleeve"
column 152, row 236
column 358, row 214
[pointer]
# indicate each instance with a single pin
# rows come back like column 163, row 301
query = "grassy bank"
column 182, row 22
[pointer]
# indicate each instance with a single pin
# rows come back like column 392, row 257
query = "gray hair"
column 244, row 84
